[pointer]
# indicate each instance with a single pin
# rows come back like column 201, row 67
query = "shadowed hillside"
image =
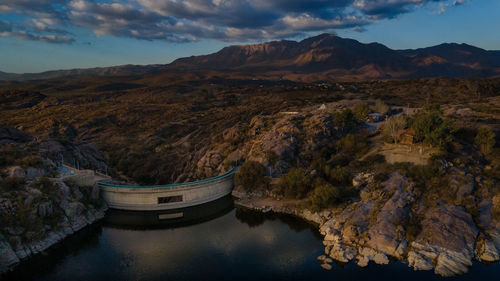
column 160, row 132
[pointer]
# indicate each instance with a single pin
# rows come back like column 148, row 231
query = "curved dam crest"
column 167, row 197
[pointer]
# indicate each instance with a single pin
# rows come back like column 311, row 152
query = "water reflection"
column 47, row 263
column 160, row 219
column 217, row 243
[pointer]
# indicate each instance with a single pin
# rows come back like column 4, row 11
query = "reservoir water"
column 214, row 242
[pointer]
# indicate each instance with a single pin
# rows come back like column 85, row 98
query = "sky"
column 40, row 35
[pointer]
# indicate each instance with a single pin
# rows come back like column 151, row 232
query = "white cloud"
column 187, row 20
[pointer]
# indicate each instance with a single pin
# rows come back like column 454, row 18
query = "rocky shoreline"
column 76, row 214
column 374, row 229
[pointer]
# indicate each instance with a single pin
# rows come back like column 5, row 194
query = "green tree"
column 348, row 143
column 352, row 143
column 338, row 175
column 381, row 107
column 323, row 196
column 442, row 135
column 424, row 123
column 485, row 139
column 361, row 111
column 251, row 175
column 432, row 108
column 344, row 119
column 296, row 183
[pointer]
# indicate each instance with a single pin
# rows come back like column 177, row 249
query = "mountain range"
column 323, row 57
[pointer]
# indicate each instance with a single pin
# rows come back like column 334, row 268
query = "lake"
column 213, row 242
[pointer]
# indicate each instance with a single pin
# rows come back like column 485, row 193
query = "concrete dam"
column 167, row 197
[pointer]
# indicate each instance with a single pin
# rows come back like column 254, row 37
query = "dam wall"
column 165, row 197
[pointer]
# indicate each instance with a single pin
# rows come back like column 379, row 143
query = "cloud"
column 23, row 35
column 189, row 20
column 443, row 7
column 458, row 2
column 38, row 31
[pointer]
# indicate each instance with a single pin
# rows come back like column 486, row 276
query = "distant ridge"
column 325, row 56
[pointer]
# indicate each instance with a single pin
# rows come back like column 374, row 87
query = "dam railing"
column 172, row 185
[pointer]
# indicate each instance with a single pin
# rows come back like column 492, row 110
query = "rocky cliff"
column 38, row 207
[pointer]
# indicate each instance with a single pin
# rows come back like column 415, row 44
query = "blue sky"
column 39, row 35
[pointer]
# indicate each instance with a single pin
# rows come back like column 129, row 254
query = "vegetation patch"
column 252, row 175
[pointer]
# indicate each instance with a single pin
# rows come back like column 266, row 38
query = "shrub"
column 344, row 119
column 229, row 164
column 485, row 139
column 9, row 154
column 46, row 186
column 496, row 207
column 12, row 184
column 341, row 159
column 25, row 218
column 272, row 157
column 30, row 161
column 373, row 159
column 296, row 183
column 361, row 111
column 413, row 227
column 430, row 182
column 339, row 175
column 323, row 196
column 251, row 175
column 348, row 142
column 353, row 144
column 381, row 107
column 432, row 108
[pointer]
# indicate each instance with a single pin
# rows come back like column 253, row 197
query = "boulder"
column 322, row 258
column 486, row 250
column 365, row 255
column 381, row 258
column 342, row 252
column 452, row 263
column 419, row 261
column 326, row 266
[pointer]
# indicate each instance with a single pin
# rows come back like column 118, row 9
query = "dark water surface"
column 214, row 242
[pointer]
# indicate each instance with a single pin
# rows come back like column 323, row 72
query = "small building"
column 406, row 136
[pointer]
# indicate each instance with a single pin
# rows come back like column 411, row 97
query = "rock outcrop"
column 375, row 228
column 21, row 241
column 448, row 239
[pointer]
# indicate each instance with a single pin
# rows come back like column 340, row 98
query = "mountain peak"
column 322, row 57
